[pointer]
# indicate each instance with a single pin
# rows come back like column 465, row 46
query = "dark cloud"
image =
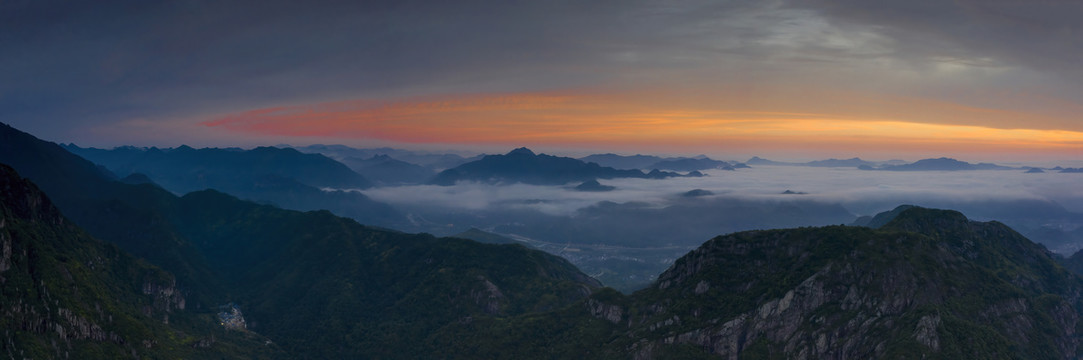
column 98, row 63
column 1044, row 35
column 110, row 59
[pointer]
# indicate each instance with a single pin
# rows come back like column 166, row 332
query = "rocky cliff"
column 930, row 283
column 65, row 295
column 926, row 284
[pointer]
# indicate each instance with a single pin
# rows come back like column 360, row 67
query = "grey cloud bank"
column 86, row 72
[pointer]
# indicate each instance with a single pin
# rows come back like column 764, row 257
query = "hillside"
column 928, row 284
column 385, row 170
column 67, row 295
column 130, row 216
column 328, row 287
column 184, row 169
column 317, row 285
column 281, row 177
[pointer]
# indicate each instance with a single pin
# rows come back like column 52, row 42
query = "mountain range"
column 927, row 284
column 316, row 284
column 910, row 283
column 937, row 164
column 184, row 169
column 524, row 166
column 355, row 158
column 650, row 162
column 387, row 171
column 283, row 177
column 943, row 164
column 68, row 295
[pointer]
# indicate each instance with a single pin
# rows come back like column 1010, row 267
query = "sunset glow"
column 788, row 78
column 627, row 120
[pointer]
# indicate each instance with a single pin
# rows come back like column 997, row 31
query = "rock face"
column 56, row 286
column 929, row 284
column 925, row 284
column 64, row 294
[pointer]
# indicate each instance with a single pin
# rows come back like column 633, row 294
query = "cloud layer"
column 123, row 72
column 862, row 192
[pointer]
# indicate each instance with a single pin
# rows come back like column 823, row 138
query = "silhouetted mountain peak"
column 380, row 157
column 697, row 193
column 594, row 185
column 23, row 198
column 136, row 179
column 523, row 151
column 522, row 165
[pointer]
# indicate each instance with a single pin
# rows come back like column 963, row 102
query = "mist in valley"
column 626, row 235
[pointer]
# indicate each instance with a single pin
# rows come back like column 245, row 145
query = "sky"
column 798, row 79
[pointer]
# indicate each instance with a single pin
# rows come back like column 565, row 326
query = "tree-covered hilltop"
column 324, row 286
column 67, row 295
column 318, row 285
column 928, row 284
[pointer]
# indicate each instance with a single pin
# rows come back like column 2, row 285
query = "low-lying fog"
column 659, row 214
column 860, row 191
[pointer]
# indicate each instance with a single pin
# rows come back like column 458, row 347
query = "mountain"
column 385, row 170
column 691, row 164
column 324, row 286
column 594, row 186
column 68, row 295
column 928, row 284
column 942, row 164
column 697, row 193
column 881, row 219
column 432, row 161
column 185, row 169
column 314, row 284
column 281, row 177
column 636, row 161
column 523, row 166
column 854, row 162
column 130, row 216
column 756, row 160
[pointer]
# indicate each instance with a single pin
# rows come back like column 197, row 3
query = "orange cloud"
column 632, row 120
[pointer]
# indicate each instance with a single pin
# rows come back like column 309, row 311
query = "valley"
column 513, row 269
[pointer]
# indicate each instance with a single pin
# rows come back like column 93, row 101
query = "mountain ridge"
column 66, row 294
column 522, row 165
column 929, row 283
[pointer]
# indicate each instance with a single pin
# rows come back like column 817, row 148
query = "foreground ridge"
column 929, row 283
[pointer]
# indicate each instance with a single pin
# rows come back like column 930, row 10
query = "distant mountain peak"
column 594, row 185
column 521, row 151
column 382, row 157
